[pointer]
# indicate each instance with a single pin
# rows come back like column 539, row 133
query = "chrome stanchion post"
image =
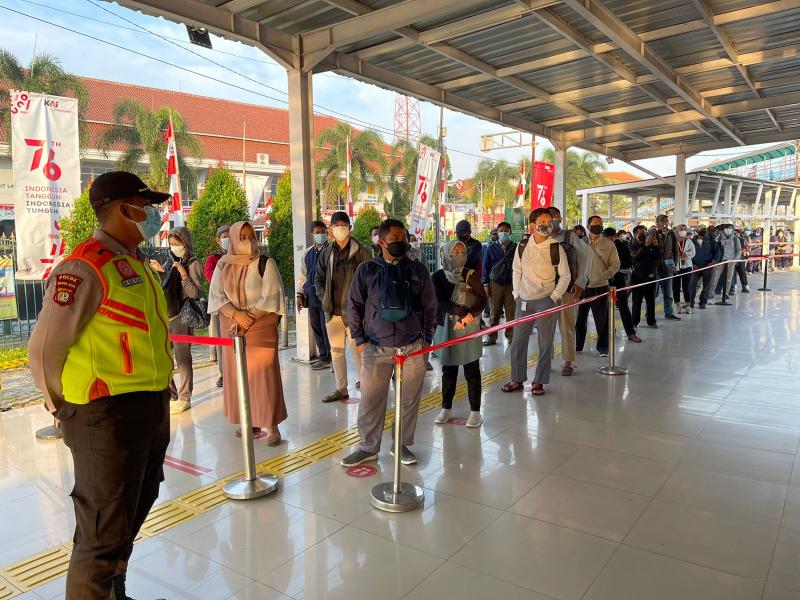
column 252, row 485
column 285, row 332
column 396, row 496
column 611, row 368
column 764, row 288
column 51, row 432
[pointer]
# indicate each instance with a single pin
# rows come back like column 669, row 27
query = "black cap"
column 340, row 217
column 121, row 184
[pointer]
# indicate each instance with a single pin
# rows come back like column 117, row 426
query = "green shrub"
column 280, row 239
column 81, row 223
column 223, row 203
column 365, row 221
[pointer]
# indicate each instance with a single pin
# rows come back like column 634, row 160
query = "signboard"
column 518, row 220
column 6, row 188
column 47, row 177
column 460, row 184
column 8, row 295
column 543, row 178
column 427, row 166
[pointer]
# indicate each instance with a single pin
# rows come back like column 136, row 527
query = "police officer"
column 100, row 354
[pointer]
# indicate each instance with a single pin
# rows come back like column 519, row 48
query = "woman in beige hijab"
column 247, row 292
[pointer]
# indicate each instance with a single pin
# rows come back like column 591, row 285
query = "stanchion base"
column 410, row 497
column 49, row 433
column 764, row 289
column 607, row 370
column 241, row 489
column 721, row 303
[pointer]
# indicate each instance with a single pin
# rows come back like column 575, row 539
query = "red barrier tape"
column 198, row 339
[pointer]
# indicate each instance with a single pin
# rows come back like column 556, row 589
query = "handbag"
column 194, row 313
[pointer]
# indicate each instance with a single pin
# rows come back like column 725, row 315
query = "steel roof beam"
column 597, row 15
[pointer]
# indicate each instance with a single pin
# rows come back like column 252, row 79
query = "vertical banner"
column 544, row 176
column 427, row 165
column 254, row 186
column 8, row 294
column 47, row 177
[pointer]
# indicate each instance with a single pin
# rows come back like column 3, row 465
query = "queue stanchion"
column 396, row 496
column 611, row 368
column 51, row 432
column 284, row 332
column 724, row 301
column 252, row 485
column 764, row 287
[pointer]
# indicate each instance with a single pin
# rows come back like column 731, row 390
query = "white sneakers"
column 475, row 419
column 443, row 416
column 179, row 406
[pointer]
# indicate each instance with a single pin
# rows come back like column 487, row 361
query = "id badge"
column 524, row 306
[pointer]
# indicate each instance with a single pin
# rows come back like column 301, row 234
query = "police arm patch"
column 66, row 285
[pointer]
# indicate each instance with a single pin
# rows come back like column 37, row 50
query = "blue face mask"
column 503, row 236
column 151, row 225
column 320, row 238
column 225, row 243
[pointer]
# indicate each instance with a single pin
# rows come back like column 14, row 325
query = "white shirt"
column 263, row 293
column 535, row 275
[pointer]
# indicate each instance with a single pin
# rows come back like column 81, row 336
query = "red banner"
column 543, row 178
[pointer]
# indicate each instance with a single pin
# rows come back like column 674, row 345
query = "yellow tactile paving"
column 7, row 590
column 38, row 569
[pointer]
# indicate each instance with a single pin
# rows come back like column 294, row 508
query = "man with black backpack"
column 541, row 276
column 392, row 305
column 575, row 249
column 498, row 259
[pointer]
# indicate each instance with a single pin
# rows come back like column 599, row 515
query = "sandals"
column 256, row 431
column 567, row 370
column 512, row 386
column 537, row 389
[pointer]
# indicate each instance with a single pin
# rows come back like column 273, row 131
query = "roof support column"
column 560, row 181
column 681, row 191
column 796, row 231
column 728, row 200
column 301, row 163
column 584, row 208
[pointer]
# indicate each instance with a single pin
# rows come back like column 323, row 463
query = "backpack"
column 555, row 257
column 503, row 268
column 394, row 293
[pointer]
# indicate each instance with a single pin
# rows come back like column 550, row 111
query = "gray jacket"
column 323, row 280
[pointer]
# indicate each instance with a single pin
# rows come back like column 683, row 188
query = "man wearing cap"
column 223, row 240
column 101, row 356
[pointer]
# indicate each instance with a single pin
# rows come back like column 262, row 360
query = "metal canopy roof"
column 629, row 78
column 749, row 158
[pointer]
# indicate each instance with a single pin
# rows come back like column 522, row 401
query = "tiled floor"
column 677, row 482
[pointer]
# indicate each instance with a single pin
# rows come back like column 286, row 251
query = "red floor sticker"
column 457, row 421
column 361, row 472
column 186, row 467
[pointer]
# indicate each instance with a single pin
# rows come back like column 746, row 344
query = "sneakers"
column 443, row 416
column 745, row 290
column 672, row 318
column 320, row 365
column 178, row 406
column 359, row 457
column 407, row 457
column 475, row 419
column 603, row 353
column 336, row 397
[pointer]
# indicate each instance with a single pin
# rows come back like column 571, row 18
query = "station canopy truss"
column 631, row 79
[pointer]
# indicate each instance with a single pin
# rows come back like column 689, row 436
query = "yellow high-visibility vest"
column 125, row 346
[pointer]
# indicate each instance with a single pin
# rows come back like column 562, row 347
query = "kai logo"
column 49, row 102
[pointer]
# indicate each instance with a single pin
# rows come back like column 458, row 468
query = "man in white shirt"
column 541, row 277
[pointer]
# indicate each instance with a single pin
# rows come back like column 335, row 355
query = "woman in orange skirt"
column 247, row 292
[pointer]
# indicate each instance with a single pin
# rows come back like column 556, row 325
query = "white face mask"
column 179, row 251
column 682, row 234
column 341, row 232
column 375, row 239
column 225, row 243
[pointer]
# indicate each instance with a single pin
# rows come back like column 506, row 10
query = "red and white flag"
column 176, row 207
column 443, row 196
column 521, row 186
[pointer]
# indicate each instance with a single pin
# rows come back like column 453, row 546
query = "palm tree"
column 584, row 169
column 495, row 184
column 45, row 75
column 368, row 162
column 140, row 135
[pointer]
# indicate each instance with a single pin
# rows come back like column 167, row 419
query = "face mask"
column 596, row 229
column 464, row 237
column 747, row 231
column 375, row 239
column 341, row 232
column 398, row 249
column 682, row 234
column 728, row 231
column 320, row 238
column 556, row 224
column 416, row 245
column 179, row 251
column 504, row 236
column 459, row 261
column 151, row 225
column 225, row 243
column 545, row 229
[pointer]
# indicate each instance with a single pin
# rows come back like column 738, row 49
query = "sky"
column 241, row 73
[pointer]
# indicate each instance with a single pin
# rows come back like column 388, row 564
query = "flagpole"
column 244, row 154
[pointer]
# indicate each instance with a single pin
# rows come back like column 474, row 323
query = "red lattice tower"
column 407, row 121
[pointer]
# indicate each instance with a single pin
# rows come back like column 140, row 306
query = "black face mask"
column 596, row 229
column 465, row 236
column 398, row 249
column 640, row 237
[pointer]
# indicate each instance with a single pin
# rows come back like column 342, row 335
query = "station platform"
column 677, row 481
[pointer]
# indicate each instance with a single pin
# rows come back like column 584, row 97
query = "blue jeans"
column 666, row 290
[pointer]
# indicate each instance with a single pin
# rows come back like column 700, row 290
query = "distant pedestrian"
column 307, row 295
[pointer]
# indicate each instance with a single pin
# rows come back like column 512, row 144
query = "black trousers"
column 705, row 276
column 317, row 318
column 625, row 313
column 472, row 373
column 682, row 280
column 648, row 294
column 118, row 445
column 599, row 308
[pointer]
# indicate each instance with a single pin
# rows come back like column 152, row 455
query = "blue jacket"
column 311, row 257
column 707, row 253
column 363, row 318
column 492, row 255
